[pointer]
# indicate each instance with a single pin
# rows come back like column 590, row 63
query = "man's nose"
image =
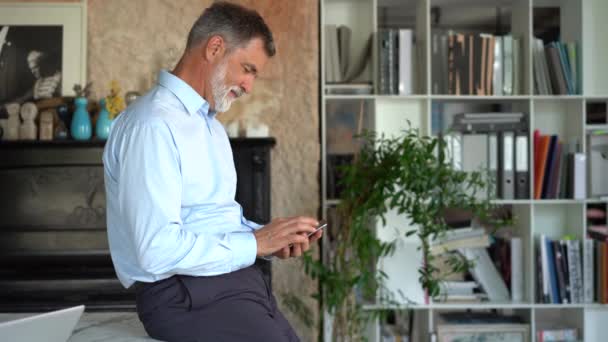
column 247, row 85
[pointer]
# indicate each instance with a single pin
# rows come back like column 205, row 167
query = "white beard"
column 221, row 92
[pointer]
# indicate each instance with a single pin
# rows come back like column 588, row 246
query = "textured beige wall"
column 131, row 40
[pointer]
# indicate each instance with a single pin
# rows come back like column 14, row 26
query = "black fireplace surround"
column 53, row 242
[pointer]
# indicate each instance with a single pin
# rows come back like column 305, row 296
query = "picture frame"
column 69, row 19
column 483, row 332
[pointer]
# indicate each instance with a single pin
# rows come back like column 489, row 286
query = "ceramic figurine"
column 45, row 130
column 63, row 113
column 259, row 130
column 232, row 129
column 81, row 121
column 131, row 96
column 28, row 129
column 12, row 125
column 3, row 123
column 102, row 126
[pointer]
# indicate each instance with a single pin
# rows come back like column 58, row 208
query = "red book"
column 540, row 166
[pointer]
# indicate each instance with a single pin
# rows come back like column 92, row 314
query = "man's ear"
column 215, row 48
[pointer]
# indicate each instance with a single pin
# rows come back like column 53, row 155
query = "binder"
column 493, row 165
column 507, row 177
column 405, row 64
column 580, row 176
column 522, row 167
column 475, row 156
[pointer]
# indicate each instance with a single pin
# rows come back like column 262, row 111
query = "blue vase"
column 102, row 126
column 80, row 128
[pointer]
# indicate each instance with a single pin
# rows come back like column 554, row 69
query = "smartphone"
column 322, row 224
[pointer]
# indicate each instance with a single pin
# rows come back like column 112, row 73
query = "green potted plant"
column 411, row 174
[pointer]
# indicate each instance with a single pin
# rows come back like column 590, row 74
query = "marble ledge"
column 102, row 327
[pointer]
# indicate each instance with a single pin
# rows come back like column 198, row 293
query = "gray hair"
column 236, row 24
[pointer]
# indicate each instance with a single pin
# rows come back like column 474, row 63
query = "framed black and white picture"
column 42, row 50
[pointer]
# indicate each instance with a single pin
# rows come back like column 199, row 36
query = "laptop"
column 55, row 326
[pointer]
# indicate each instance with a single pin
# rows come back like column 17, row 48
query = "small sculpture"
column 46, row 125
column 232, row 129
column 82, row 92
column 12, row 130
column 115, row 104
column 27, row 130
column 131, row 96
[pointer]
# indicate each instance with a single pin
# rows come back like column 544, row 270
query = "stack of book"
column 459, row 238
column 565, row 273
column 475, row 64
column 556, row 68
column 558, row 172
column 396, row 58
column 459, row 291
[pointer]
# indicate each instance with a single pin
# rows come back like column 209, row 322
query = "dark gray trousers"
column 237, row 306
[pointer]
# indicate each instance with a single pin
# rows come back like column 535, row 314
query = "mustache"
column 238, row 91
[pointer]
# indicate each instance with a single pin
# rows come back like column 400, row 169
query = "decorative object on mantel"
column 80, row 128
column 131, row 96
column 102, row 126
column 81, row 122
column 232, row 129
column 28, row 129
column 114, row 102
column 45, row 129
column 63, row 122
column 12, row 131
column 3, row 121
column 256, row 130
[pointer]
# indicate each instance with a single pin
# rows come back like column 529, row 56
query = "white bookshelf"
column 584, row 21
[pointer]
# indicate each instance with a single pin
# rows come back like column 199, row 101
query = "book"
column 507, row 77
column 557, row 335
column 517, row 270
column 349, row 89
column 554, row 284
column 588, row 272
column 459, row 233
column 485, row 273
column 562, row 283
column 547, row 281
column 458, row 287
column 575, row 271
column 478, row 241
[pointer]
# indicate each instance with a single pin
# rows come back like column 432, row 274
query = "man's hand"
column 280, row 233
column 297, row 249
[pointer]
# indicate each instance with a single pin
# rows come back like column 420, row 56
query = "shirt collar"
column 193, row 102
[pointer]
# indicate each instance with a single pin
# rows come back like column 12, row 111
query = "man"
column 47, row 73
column 174, row 228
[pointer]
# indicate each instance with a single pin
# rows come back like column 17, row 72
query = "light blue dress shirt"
column 170, row 185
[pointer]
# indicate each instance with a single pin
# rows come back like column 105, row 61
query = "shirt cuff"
column 251, row 225
column 245, row 250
